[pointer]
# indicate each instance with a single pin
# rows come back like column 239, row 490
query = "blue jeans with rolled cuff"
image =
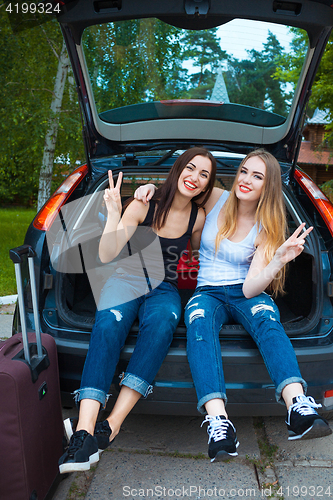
column 158, row 312
column 213, row 306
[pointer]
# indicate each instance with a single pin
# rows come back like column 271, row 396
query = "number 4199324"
column 33, row 8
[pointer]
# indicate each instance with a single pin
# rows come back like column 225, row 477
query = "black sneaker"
column 222, row 438
column 102, row 432
column 303, row 421
column 81, row 453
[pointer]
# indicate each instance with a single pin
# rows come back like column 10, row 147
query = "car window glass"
column 145, row 69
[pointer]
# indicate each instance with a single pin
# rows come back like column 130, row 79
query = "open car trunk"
column 297, row 306
column 77, row 293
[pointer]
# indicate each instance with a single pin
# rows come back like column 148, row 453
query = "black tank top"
column 172, row 248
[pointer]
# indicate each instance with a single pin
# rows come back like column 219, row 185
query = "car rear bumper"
column 249, row 388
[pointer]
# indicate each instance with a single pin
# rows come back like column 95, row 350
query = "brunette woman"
column 173, row 218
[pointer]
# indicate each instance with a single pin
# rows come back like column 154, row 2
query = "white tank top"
column 231, row 263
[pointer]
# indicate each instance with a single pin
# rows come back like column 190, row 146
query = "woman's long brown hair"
column 165, row 194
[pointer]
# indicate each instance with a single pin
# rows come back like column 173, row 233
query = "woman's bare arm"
column 196, row 234
column 145, row 193
column 260, row 274
column 118, row 230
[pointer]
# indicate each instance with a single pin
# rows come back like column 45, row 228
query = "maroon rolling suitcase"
column 31, row 428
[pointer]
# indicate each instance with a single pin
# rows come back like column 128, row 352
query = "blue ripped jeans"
column 158, row 312
column 213, row 306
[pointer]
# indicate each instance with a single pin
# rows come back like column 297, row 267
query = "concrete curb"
column 8, row 299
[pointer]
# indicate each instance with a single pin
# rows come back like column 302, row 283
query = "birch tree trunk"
column 45, row 176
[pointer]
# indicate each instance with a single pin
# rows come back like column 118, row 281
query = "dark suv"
column 153, row 79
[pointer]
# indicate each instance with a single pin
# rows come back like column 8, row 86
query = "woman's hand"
column 145, row 193
column 112, row 196
column 293, row 246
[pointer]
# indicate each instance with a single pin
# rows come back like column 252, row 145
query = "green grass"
column 14, row 224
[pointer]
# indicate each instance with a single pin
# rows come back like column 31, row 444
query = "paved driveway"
column 166, row 458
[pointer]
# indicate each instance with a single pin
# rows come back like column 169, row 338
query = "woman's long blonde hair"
column 270, row 214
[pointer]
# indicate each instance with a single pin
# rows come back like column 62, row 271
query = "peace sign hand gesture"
column 112, row 196
column 293, row 246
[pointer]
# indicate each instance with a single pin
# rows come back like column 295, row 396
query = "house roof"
column 310, row 156
column 320, row 117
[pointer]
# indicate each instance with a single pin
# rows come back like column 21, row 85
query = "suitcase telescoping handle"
column 16, row 255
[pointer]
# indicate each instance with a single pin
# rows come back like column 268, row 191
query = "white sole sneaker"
column 223, row 455
column 69, row 432
column 79, row 466
column 317, row 430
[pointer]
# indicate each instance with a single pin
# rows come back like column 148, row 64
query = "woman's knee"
column 264, row 308
column 265, row 316
column 165, row 317
column 110, row 328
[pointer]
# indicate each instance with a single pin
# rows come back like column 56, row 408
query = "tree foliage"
column 29, row 62
column 129, row 62
column 322, row 93
column 203, row 49
column 253, row 81
column 145, row 60
column 322, row 89
column 132, row 61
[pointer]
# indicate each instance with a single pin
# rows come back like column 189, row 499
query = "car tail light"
column 48, row 213
column 328, row 399
column 318, row 198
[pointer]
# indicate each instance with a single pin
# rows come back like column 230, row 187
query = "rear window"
column 232, row 72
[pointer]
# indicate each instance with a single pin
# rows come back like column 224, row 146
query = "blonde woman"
column 243, row 252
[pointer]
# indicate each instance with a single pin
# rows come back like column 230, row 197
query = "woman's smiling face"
column 251, row 179
column 194, row 178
